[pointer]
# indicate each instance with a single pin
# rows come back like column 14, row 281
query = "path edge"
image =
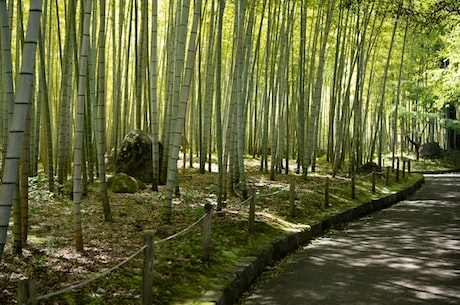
column 229, row 286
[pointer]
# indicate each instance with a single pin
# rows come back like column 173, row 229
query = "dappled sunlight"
column 407, row 254
column 426, row 292
column 51, row 260
column 282, row 224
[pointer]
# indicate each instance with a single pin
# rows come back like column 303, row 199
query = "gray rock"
column 430, row 150
column 135, row 156
column 369, row 167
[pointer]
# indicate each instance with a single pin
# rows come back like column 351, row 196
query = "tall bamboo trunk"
column 7, row 76
column 317, row 93
column 154, row 98
column 16, row 132
column 218, row 102
column 101, row 114
column 383, row 92
column 79, row 128
column 176, row 136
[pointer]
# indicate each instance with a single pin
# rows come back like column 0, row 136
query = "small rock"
column 122, row 183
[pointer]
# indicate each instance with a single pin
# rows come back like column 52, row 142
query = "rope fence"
column 90, row 280
column 181, row 232
column 26, row 288
column 329, row 183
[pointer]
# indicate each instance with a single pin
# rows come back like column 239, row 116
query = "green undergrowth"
column 180, row 274
column 449, row 161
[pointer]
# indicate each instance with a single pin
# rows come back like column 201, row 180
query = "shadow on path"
column 407, row 254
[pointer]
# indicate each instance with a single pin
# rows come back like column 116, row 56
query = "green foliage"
column 421, row 94
column 452, row 124
column 419, row 116
column 189, row 196
column 443, row 79
column 36, row 192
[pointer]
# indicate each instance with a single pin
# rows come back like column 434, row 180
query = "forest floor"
column 50, row 258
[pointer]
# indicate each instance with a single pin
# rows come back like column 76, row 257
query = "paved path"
column 407, row 254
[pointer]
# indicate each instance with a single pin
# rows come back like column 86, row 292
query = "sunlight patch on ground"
column 36, row 239
column 283, row 224
column 426, row 292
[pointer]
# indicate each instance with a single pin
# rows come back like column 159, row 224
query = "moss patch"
column 180, row 275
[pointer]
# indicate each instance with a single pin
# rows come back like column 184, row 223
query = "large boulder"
column 369, row 167
column 430, row 150
column 135, row 155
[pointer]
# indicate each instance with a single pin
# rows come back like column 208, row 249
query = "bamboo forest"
column 234, row 97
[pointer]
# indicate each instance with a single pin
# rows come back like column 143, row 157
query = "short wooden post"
column 252, row 213
column 408, row 167
column 388, row 176
column 397, row 169
column 353, row 185
column 207, row 233
column 147, row 271
column 373, row 181
column 26, row 292
column 404, row 169
column 292, row 195
column 326, row 194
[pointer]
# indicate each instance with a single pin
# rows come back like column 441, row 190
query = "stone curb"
column 444, row 171
column 238, row 278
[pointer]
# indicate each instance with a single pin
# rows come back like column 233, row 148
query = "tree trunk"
column 239, row 98
column 7, row 76
column 66, row 95
column 47, row 138
column 398, row 96
column 317, row 94
column 79, row 127
column 154, row 97
column 176, row 136
column 218, row 102
column 301, row 85
column 101, row 113
column 383, row 92
column 207, row 101
column 16, row 132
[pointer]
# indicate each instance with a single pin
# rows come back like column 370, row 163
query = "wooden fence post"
column 326, row 194
column 292, row 195
column 252, row 213
column 147, row 273
column 353, row 184
column 397, row 169
column 207, row 233
column 388, row 176
column 404, row 169
column 373, row 181
column 26, row 292
column 408, row 167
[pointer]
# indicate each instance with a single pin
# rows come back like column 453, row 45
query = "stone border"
column 444, row 171
column 237, row 279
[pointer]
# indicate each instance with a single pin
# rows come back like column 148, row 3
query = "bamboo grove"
column 346, row 80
